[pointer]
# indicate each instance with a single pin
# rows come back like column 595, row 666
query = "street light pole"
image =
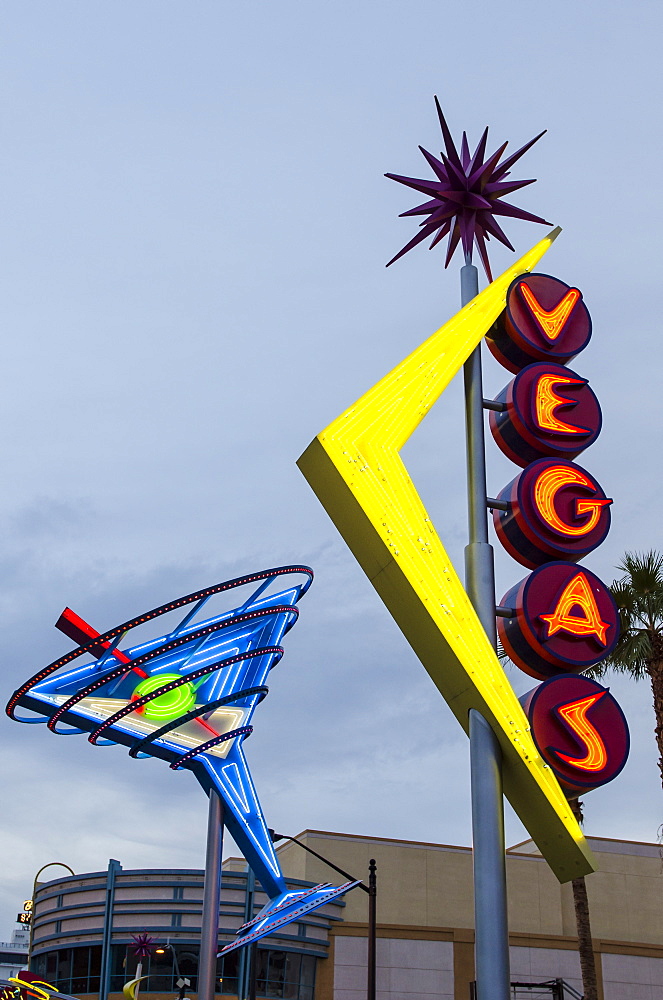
column 209, row 927
column 372, row 891
column 58, row 864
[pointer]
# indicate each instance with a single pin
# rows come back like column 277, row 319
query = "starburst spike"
column 454, row 237
column 426, row 187
column 483, row 253
column 443, row 213
column 479, row 153
column 499, row 189
column 491, row 226
column 465, row 153
column 516, row 156
column 484, row 173
column 437, row 166
column 452, row 152
column 428, row 206
column 467, row 228
column 422, row 235
column 504, row 208
column 456, row 174
column 441, row 234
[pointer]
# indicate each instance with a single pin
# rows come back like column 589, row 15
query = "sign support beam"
column 209, row 928
column 490, row 908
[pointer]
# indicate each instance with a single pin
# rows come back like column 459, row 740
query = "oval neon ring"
column 168, row 705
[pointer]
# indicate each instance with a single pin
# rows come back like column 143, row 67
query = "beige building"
column 84, row 925
column 425, row 918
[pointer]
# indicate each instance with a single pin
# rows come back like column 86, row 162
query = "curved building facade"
column 83, row 928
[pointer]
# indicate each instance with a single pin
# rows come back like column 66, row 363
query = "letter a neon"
column 577, row 594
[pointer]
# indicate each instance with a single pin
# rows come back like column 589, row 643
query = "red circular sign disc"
column 550, row 411
column 544, row 319
column 564, row 620
column 579, row 730
column 557, row 510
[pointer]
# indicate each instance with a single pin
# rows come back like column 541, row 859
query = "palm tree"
column 584, row 930
column 639, row 650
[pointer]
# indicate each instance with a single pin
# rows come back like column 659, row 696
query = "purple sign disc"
column 544, row 320
column 550, row 411
column 556, row 510
column 564, row 619
column 579, row 730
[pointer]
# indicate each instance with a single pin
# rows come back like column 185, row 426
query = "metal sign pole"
column 209, row 928
column 490, row 911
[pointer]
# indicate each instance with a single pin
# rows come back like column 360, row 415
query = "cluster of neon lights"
column 187, row 697
column 562, row 618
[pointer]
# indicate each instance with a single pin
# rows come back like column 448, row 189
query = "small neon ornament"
column 188, row 697
column 579, row 730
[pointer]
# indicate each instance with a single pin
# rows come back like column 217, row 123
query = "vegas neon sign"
column 562, row 618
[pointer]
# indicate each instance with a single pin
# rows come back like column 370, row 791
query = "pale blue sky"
column 195, row 227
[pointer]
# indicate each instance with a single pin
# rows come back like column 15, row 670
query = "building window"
column 282, row 975
column 71, row 970
column 285, row 975
column 178, row 892
column 176, row 920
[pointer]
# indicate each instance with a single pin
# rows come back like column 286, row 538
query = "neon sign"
column 355, row 468
column 563, row 619
column 544, row 320
column 579, row 730
column 545, row 411
column 555, row 510
column 187, row 697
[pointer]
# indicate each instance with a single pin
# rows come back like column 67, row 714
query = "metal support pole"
column 372, row 928
column 243, row 962
column 490, row 914
column 209, row 928
column 107, row 934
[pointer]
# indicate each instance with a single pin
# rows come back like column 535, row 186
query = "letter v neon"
column 552, row 323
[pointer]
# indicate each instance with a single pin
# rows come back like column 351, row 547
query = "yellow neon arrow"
column 355, row 469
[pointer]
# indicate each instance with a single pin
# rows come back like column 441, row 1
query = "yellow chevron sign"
column 355, row 468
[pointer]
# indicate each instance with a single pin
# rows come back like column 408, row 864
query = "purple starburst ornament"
column 466, row 196
column 142, row 945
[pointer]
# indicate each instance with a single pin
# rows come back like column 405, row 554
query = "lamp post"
column 59, row 864
column 371, row 889
column 161, row 950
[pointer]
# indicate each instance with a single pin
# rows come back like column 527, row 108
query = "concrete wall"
column 425, row 918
